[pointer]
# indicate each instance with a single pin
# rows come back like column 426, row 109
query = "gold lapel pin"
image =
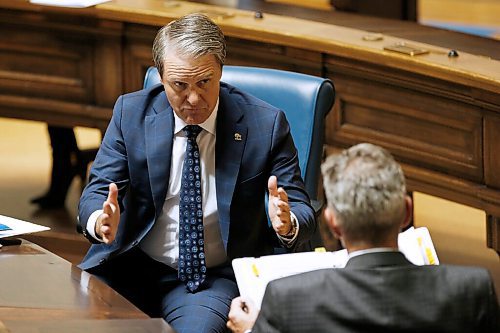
column 237, row 137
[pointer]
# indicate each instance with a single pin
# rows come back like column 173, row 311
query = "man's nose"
column 193, row 97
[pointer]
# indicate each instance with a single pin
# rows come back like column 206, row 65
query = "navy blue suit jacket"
column 136, row 154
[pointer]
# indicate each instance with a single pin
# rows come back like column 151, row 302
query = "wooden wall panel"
column 137, row 55
column 69, row 66
column 43, row 64
column 251, row 53
column 492, row 150
column 424, row 128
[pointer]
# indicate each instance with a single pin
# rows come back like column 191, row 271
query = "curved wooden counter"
column 439, row 116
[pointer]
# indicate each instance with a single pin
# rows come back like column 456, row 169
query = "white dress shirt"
column 162, row 241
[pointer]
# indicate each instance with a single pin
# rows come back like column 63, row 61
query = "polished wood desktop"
column 41, row 292
column 438, row 115
column 87, row 325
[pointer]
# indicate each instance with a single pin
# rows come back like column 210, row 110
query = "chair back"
column 305, row 99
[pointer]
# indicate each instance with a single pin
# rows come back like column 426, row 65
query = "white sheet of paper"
column 69, row 3
column 408, row 244
column 19, row 227
column 427, row 248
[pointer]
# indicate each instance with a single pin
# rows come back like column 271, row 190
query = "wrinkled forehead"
column 180, row 67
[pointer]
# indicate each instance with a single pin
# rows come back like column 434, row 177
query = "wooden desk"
column 439, row 116
column 87, row 325
column 39, row 290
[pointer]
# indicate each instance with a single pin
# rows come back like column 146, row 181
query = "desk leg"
column 493, row 232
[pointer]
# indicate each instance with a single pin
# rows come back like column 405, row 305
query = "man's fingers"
column 282, row 194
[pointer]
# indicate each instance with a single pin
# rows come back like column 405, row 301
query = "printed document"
column 13, row 227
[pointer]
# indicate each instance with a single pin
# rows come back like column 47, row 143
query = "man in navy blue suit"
column 131, row 210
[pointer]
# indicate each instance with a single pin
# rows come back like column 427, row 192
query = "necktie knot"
column 192, row 131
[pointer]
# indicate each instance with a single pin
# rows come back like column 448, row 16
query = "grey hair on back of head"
column 366, row 189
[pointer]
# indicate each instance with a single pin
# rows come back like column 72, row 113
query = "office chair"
column 305, row 99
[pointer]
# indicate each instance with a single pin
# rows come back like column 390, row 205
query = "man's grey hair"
column 193, row 35
column 366, row 189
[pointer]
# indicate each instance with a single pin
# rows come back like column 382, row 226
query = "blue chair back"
column 305, row 99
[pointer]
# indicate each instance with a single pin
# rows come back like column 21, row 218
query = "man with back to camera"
column 379, row 290
column 178, row 186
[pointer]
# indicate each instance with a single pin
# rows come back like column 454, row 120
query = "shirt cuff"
column 288, row 241
column 91, row 224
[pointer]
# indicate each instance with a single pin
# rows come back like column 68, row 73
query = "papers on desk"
column 253, row 274
column 13, row 227
column 69, row 3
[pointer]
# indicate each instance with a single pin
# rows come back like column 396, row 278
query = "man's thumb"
column 113, row 193
column 272, row 185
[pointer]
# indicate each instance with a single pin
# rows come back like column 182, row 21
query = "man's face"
column 192, row 85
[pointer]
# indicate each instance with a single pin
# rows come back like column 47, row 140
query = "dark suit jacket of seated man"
column 379, row 290
column 132, row 205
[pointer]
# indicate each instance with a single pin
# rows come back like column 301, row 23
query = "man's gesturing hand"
column 279, row 210
column 107, row 222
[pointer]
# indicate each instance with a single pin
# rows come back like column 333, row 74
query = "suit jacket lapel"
column 159, row 132
column 231, row 139
column 378, row 259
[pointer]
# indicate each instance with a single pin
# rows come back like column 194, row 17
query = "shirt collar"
column 208, row 125
column 372, row 250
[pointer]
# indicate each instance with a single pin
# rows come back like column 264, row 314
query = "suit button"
column 102, row 261
column 135, row 243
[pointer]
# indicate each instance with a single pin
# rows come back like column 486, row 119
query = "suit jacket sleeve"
column 285, row 166
column 269, row 319
column 110, row 165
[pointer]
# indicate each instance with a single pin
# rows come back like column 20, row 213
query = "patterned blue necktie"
column 192, row 269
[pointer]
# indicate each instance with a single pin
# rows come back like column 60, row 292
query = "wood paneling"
column 422, row 126
column 250, row 53
column 68, row 65
column 493, row 231
column 491, row 150
column 43, row 64
column 137, row 55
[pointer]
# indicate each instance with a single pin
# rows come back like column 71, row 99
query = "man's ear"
column 408, row 213
column 331, row 222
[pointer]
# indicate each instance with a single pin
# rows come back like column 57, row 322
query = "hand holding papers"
column 13, row 227
column 253, row 274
